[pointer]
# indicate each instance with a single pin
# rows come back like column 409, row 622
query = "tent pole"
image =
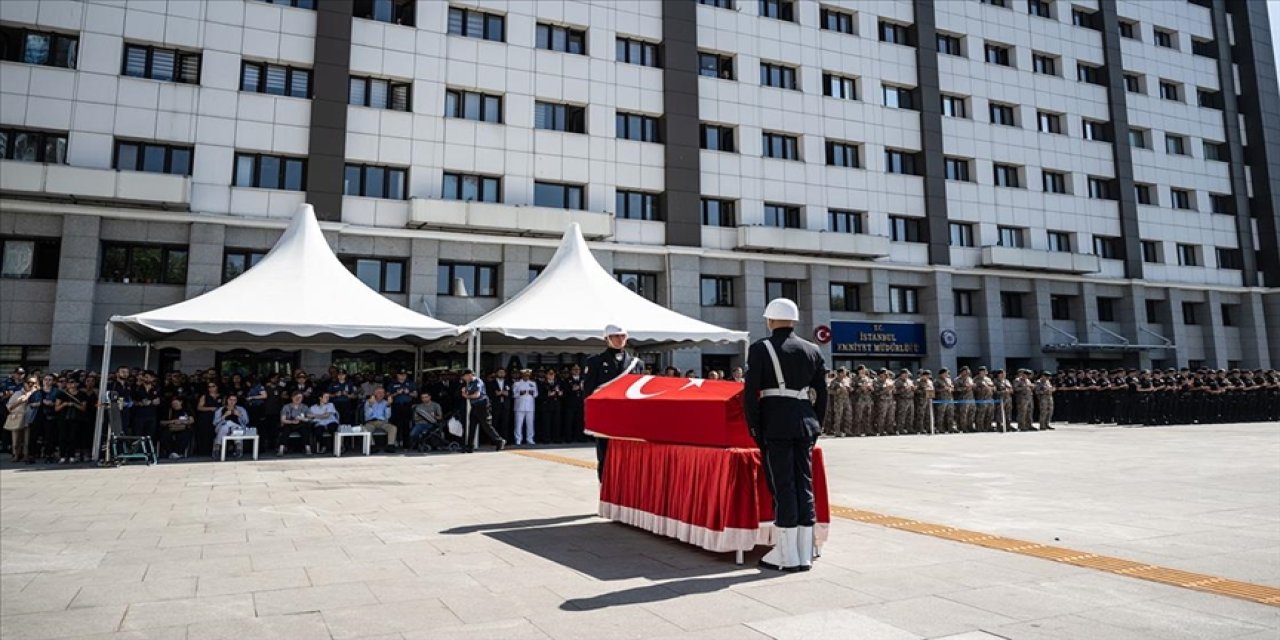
column 146, row 356
column 417, row 364
column 102, row 389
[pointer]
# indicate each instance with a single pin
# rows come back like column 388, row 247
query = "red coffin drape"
column 715, row 498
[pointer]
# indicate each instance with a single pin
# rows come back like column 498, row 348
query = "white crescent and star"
column 636, row 390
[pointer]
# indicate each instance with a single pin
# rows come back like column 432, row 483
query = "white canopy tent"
column 298, row 294
column 571, row 302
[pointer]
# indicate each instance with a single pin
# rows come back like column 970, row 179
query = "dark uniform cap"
column 964, row 368
column 943, row 370
column 861, row 367
column 924, row 372
column 904, row 372
column 997, row 372
column 884, row 370
column 843, row 370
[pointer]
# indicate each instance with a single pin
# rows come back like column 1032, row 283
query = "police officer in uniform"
column 782, row 369
column 605, row 367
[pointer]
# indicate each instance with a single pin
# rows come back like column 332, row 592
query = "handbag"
column 455, row 427
column 15, row 420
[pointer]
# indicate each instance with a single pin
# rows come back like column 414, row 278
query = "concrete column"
column 1271, row 315
column 1040, row 311
column 1254, row 343
column 423, row 269
column 204, row 258
column 815, row 303
column 1171, row 317
column 1130, row 311
column 753, row 297
column 938, row 306
column 73, row 328
column 1215, row 355
column 990, row 319
column 1089, row 304
column 684, row 295
column 879, row 291
column 515, row 270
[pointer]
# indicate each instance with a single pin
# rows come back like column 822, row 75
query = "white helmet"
column 782, row 309
column 614, row 330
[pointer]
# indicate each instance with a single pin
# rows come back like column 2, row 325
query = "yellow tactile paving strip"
column 1259, row 593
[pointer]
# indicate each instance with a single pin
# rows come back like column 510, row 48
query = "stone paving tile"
column 61, row 624
column 353, row 571
column 170, row 613
column 1250, row 612
column 735, row 632
column 933, row 616
column 349, row 622
column 432, row 585
column 512, row 629
column 1170, row 622
column 1023, row 602
column 167, row 633
column 199, row 568
column 37, row 597
column 835, row 624
column 618, row 623
column 708, row 610
column 478, row 605
column 312, row 599
column 269, row 580
column 98, row 595
column 806, row 596
column 266, row 627
column 1069, row 628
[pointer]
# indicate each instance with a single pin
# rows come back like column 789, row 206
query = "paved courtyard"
column 507, row 546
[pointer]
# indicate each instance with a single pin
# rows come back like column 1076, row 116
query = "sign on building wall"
column 877, row 339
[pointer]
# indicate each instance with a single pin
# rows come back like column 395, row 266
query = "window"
column 1181, row 199
column 904, row 300
column 843, row 154
column 1086, row 18
column 383, row 276
column 1053, row 181
column 961, row 234
column 842, row 221
column 1191, row 313
column 564, row 39
column 898, row 97
column 1229, row 258
column 774, row 289
column 1101, row 188
column 783, row 216
column 1039, row 8
column 1222, row 203
column 997, row 3
column 780, row 145
column 275, row 79
column 28, row 356
column 379, row 93
column 1060, row 241
column 471, row 188
column 642, row 284
column 1143, row 193
column 1128, row 29
column 470, row 23
column 1011, row 305
column 1106, row 309
column 152, row 158
column 636, row 205
column 465, row 280
column 1013, row 237
column 1044, row 64
column 954, row 106
column 845, row 297
column 558, row 196
column 714, row 65
column 1089, row 73
column 997, row 54
column 26, row 145
column 1209, row 99
column 722, row 4
column 716, row 137
column 470, row 105
column 33, row 258
column 1188, row 255
column 778, row 9
column 1006, row 175
column 1133, row 83
column 964, row 302
column 1229, row 320
column 1151, row 252
column 957, row 169
column 1175, row 144
column 392, row 11
column 903, row 162
column 903, row 229
column 1164, row 38
column 717, row 291
column 835, row 20
column 719, row 213
column 300, row 4
column 372, row 181
column 1096, row 130
column 1106, row 247
column 559, row 117
column 843, row 87
column 534, row 272
column 1153, row 310
column 1002, row 114
column 144, row 264
column 1048, row 122
column 1170, row 91
column 777, row 75
column 895, row 33
column 142, row 61
column 1217, row 151
column 1140, row 138
column 950, row 45
column 636, row 126
column 264, row 171
column 238, row 261
column 639, row 52
column 38, row 47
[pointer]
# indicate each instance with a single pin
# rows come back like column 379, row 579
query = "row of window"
column 962, row 234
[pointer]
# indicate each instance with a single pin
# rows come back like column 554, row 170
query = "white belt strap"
column 782, row 391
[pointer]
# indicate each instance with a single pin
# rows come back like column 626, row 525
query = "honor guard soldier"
column 924, row 401
column 983, row 393
column 781, row 371
column 884, row 403
column 605, row 367
column 904, row 402
column 1004, row 393
column 944, row 414
column 965, row 413
column 863, row 402
column 840, row 407
column 1022, row 399
column 1044, row 397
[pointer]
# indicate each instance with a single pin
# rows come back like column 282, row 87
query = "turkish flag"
column 671, row 410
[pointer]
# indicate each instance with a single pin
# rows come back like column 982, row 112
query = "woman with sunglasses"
column 19, row 417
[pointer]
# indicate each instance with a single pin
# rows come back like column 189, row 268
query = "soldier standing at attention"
column 924, row 401
column 841, row 394
column 1022, row 399
column 1044, row 395
column 1004, row 393
column 944, row 414
column 606, row 367
column 884, row 403
column 965, row 413
column 781, row 371
column 863, row 402
column 983, row 393
column 904, row 402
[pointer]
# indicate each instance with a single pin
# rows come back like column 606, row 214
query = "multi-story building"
column 1023, row 183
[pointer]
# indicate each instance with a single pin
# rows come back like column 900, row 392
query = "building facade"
column 1040, row 184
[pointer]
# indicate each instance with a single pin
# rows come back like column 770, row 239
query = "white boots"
column 804, row 548
column 783, row 556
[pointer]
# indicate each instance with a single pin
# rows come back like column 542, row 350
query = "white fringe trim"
column 699, row 536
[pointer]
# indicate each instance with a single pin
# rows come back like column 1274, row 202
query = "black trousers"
column 479, row 421
column 571, row 423
column 502, row 418
column 788, row 465
column 602, row 450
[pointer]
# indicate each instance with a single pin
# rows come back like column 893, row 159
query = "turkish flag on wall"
column 672, row 410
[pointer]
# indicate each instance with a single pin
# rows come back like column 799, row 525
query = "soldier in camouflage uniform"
column 1044, row 396
column 904, row 400
column 944, row 414
column 841, row 422
column 884, row 403
column 924, row 401
column 864, row 388
column 983, row 392
column 1004, row 393
column 1022, row 400
column 964, row 401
